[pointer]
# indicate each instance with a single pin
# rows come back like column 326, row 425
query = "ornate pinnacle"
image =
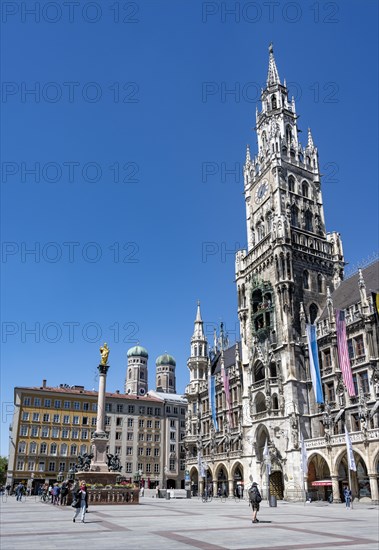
column 273, row 75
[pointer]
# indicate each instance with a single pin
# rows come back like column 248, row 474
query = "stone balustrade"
column 115, row 495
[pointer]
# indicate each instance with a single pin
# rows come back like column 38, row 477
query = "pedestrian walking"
column 56, row 492
column 254, row 499
column 347, row 495
column 8, row 489
column 80, row 502
column 64, row 493
column 19, row 491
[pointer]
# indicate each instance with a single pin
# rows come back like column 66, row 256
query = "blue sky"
column 134, row 210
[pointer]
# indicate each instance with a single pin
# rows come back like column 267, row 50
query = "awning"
column 322, row 483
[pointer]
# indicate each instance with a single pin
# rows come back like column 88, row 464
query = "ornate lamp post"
column 71, row 474
column 60, row 477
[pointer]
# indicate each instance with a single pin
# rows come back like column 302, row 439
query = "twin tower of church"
column 136, row 382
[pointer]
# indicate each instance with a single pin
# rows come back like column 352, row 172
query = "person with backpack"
column 254, row 499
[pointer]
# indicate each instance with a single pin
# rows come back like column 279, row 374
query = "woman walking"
column 80, row 502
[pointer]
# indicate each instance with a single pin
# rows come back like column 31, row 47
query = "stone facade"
column 290, row 275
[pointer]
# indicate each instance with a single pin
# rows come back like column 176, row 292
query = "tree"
column 3, row 469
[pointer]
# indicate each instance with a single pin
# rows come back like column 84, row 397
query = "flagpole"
column 350, row 488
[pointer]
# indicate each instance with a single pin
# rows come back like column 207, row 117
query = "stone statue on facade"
column 294, row 430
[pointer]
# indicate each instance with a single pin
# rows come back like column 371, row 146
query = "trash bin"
column 273, row 502
column 168, row 496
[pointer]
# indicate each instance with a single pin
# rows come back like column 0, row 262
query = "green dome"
column 165, row 359
column 137, row 351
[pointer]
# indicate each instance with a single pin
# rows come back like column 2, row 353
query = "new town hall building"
column 291, row 274
column 53, row 425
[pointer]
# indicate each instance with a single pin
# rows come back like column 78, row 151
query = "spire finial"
column 198, row 313
column 273, row 75
column 248, row 158
column 310, row 139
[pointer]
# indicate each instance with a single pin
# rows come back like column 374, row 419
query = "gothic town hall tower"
column 283, row 276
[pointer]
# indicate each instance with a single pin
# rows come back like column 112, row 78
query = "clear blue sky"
column 132, row 94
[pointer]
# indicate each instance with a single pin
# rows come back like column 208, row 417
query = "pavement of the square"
column 188, row 524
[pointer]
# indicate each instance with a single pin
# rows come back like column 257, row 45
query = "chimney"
column 44, row 383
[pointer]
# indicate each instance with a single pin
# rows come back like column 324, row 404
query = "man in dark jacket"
column 255, row 498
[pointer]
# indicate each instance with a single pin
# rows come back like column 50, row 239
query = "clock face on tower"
column 261, row 192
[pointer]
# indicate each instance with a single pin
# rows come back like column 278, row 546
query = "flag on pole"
column 266, row 457
column 350, row 454
column 303, row 456
column 212, row 400
column 225, row 381
column 343, row 352
column 313, row 363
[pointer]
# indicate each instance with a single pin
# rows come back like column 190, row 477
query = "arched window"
column 141, row 375
column 304, row 189
column 256, row 169
column 294, row 215
column 274, row 104
column 275, row 404
column 64, row 449
column 291, row 184
column 22, row 447
column 288, row 133
column 130, row 373
column 308, row 217
column 53, row 449
column 313, row 312
column 264, row 140
column 170, row 382
column 320, row 286
column 306, row 279
column 83, row 449
column 308, row 159
column 260, row 403
column 260, row 231
column 284, row 151
column 159, row 382
column 73, row 450
column 273, row 371
column 33, row 447
column 259, row 372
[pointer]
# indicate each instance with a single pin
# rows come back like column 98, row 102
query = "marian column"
column 100, row 439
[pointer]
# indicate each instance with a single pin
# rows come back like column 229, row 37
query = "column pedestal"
column 374, row 488
column 335, row 489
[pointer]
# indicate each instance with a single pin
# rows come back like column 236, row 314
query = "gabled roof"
column 348, row 294
column 229, row 358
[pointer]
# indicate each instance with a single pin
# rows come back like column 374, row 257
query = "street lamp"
column 60, row 477
column 137, row 477
column 166, row 470
column 71, row 474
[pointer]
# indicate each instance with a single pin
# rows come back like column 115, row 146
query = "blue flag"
column 212, row 400
column 313, row 363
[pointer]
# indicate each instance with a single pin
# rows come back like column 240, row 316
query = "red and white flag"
column 343, row 352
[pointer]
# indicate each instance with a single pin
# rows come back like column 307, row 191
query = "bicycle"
column 206, row 498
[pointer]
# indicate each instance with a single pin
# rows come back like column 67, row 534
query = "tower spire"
column 198, row 333
column 273, row 75
column 310, row 140
column 248, row 158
